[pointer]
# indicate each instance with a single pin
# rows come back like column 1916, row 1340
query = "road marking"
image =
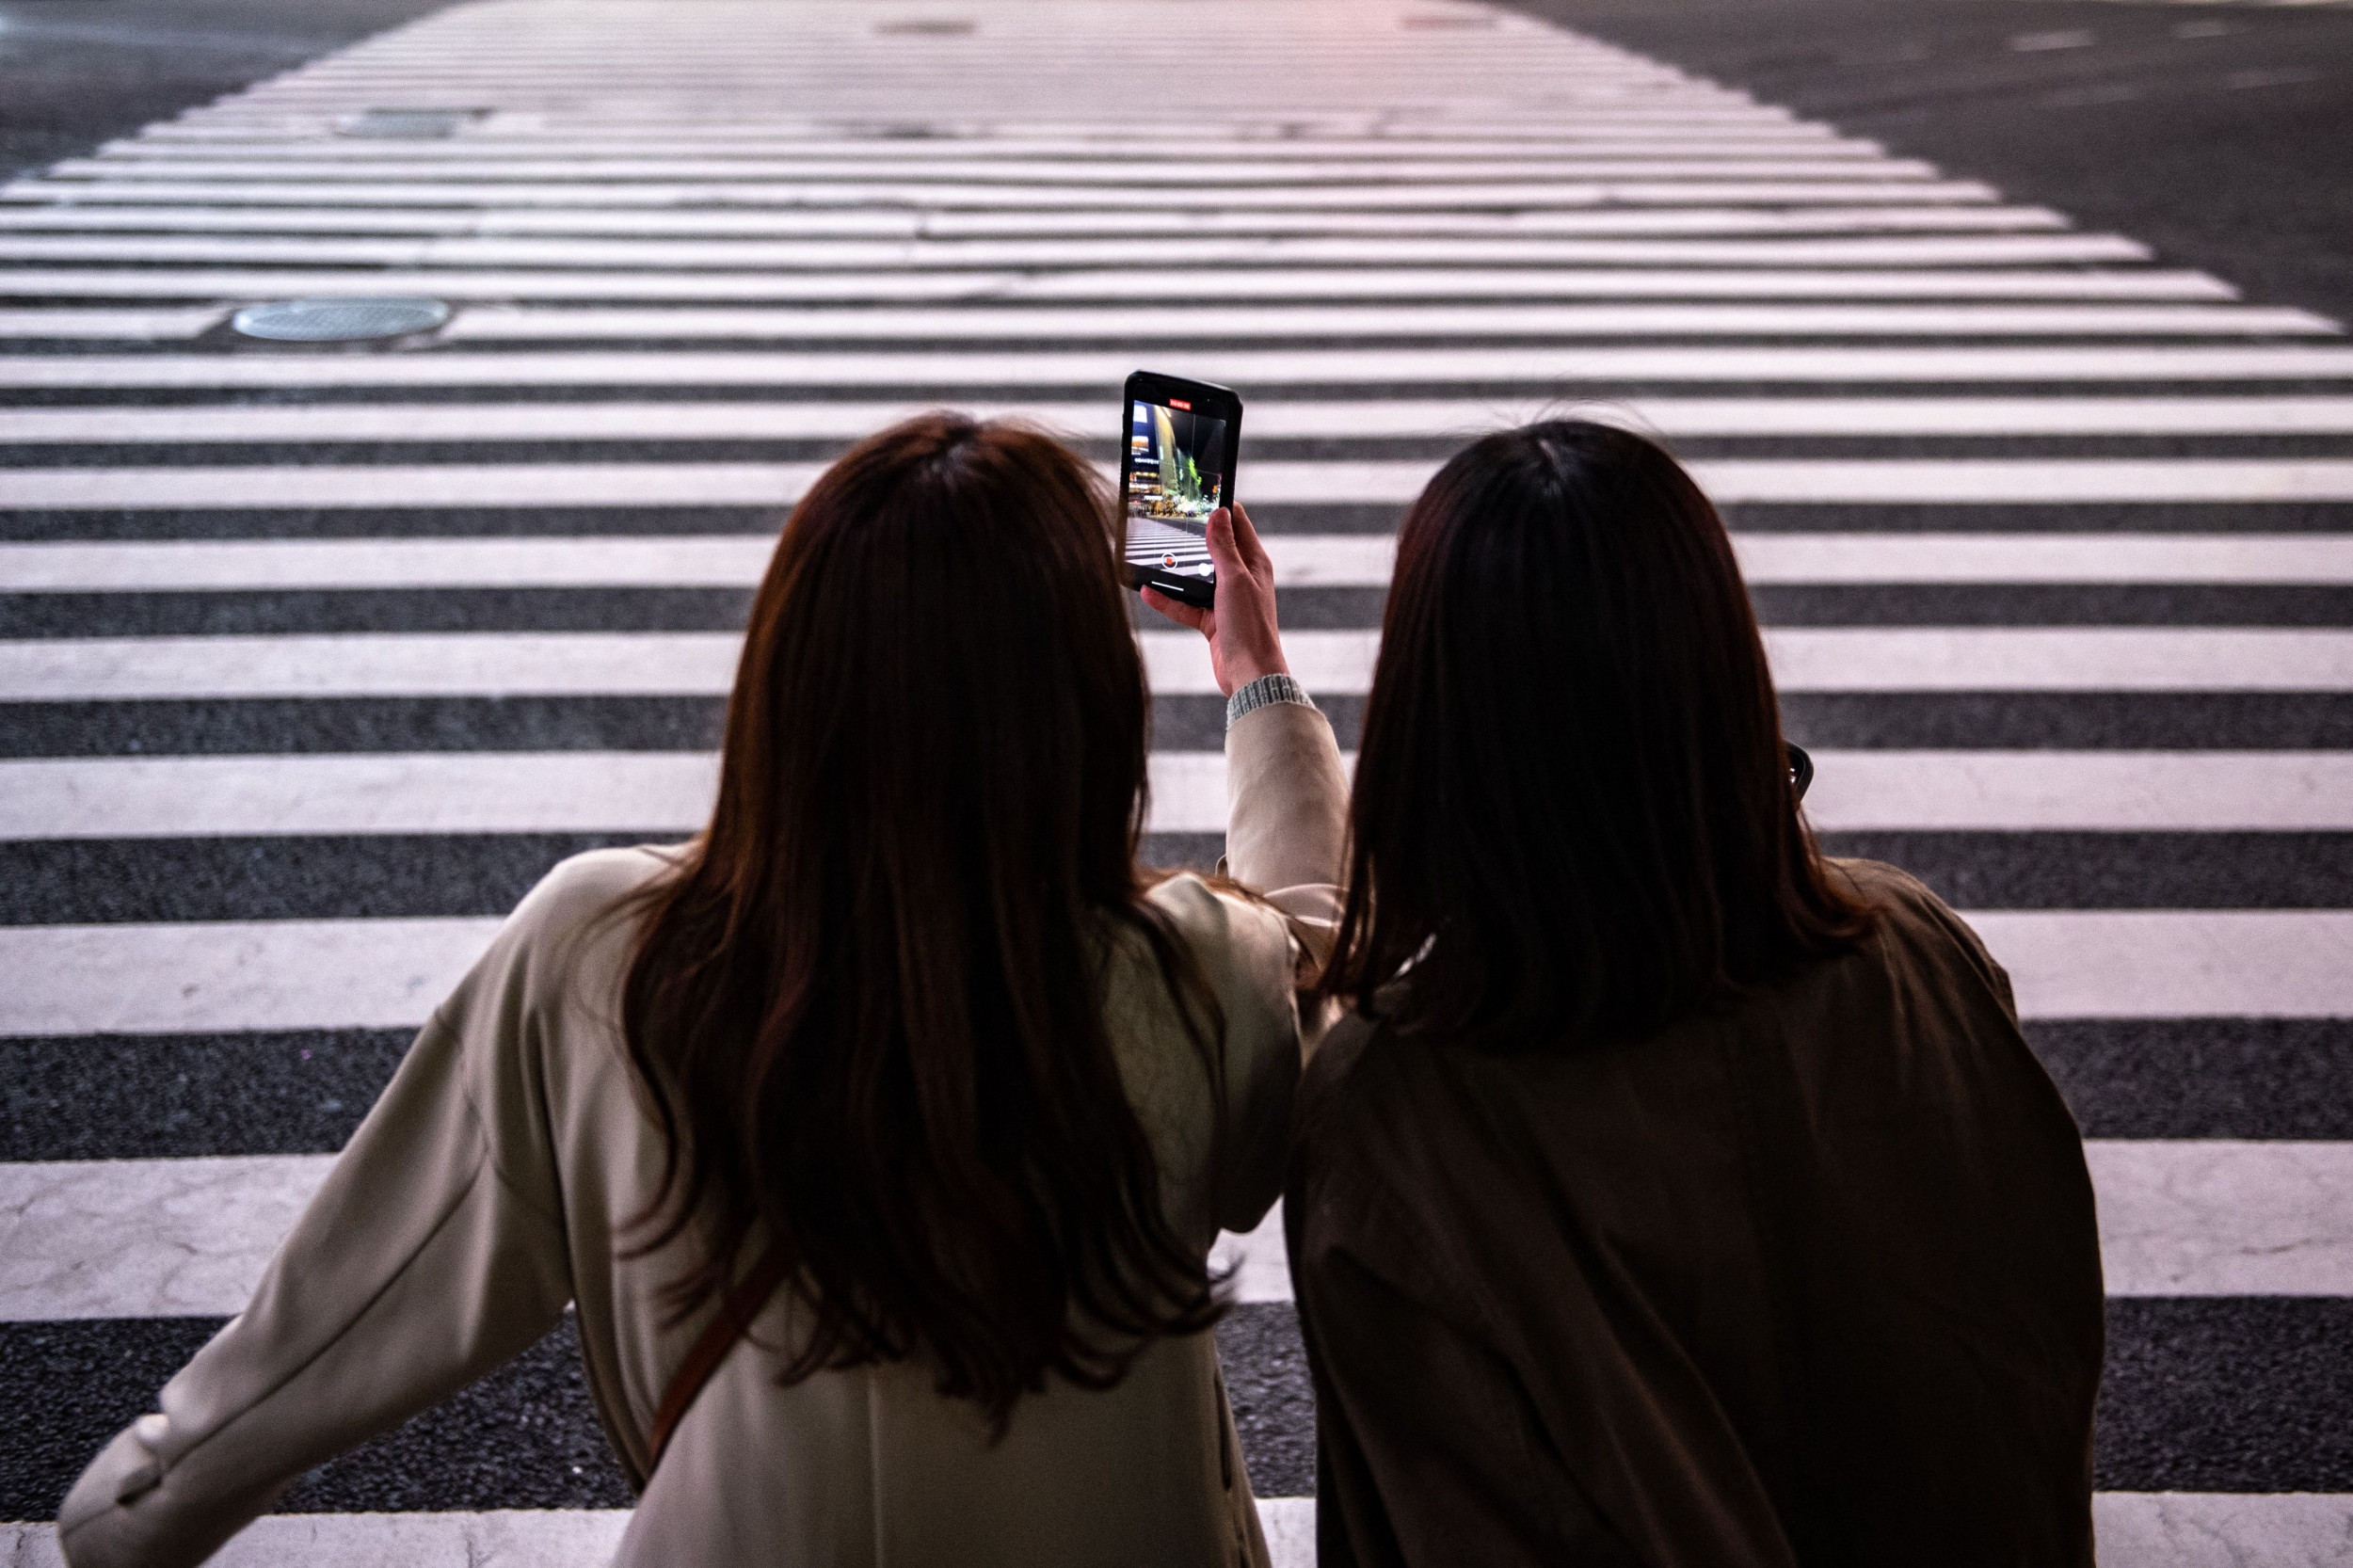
column 994, row 165
column 2187, row 1529
column 577, row 252
column 1273, row 420
column 1565, row 366
column 1300, row 560
column 1122, row 283
column 190, row 1238
column 698, row 664
column 671, row 792
column 1979, row 481
column 1406, row 196
column 867, row 223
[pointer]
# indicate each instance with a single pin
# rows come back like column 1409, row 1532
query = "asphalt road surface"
column 313, row 658
column 2220, row 133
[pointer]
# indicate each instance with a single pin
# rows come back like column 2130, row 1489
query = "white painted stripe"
column 2135, row 964
column 145, row 1238
column 156, row 324
column 167, row 145
column 652, row 792
column 670, row 793
column 2235, row 558
column 191, row 1236
column 2178, row 1217
column 1300, row 560
column 156, row 218
column 2217, row 1218
column 1632, row 190
column 1980, row 481
column 389, row 973
column 2072, row 659
column 2221, row 1529
column 2093, row 791
column 534, row 1538
column 523, row 1538
column 517, row 1538
column 241, row 975
column 1160, row 252
column 1805, row 658
column 1269, row 420
column 1136, row 284
column 1565, row 366
column 463, row 164
column 725, row 560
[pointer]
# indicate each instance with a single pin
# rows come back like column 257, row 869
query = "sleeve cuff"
column 1266, row 689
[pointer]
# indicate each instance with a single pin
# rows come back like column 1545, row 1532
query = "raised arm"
column 1286, row 830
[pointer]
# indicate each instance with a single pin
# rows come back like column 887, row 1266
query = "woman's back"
column 879, row 1133
column 870, row 1463
column 1687, row 1198
column 1813, row 1278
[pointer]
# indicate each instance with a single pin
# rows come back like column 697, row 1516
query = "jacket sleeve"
column 1287, row 829
column 433, row 1253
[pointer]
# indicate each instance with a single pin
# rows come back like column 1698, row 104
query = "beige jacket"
column 481, row 1195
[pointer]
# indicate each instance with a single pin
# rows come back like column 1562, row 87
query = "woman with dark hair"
column 1670, row 1195
column 878, row 1135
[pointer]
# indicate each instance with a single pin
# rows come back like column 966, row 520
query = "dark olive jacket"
column 1814, row 1280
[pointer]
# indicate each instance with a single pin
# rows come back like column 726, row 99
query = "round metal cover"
column 339, row 320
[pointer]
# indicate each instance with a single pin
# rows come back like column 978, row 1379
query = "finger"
column 1223, row 549
column 1246, row 541
column 1178, row 611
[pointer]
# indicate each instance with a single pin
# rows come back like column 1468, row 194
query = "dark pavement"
column 2221, row 134
column 74, row 72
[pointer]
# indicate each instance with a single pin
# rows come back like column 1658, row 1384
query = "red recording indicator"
column 1180, row 403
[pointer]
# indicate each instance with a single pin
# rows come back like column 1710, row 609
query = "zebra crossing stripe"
column 2135, row 1529
column 190, row 1238
column 491, row 664
column 1141, row 284
column 389, row 973
column 1278, row 419
column 1567, row 365
column 856, row 223
column 1973, row 481
column 1563, row 366
column 1300, row 560
column 671, row 792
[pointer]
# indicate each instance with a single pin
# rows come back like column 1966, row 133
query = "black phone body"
column 1176, row 467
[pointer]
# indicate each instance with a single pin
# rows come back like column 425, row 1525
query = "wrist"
column 1265, row 689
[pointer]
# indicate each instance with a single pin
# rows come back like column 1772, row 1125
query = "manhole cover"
column 926, row 28
column 409, row 124
column 338, row 320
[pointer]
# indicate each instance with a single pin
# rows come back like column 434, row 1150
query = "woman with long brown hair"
column 879, row 1135
column 1670, row 1195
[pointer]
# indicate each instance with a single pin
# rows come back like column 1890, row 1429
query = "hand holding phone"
column 1245, row 641
column 1175, row 468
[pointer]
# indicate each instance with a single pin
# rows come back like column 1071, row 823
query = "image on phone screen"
column 1176, row 478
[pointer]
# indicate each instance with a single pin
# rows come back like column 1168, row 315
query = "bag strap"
column 737, row 1310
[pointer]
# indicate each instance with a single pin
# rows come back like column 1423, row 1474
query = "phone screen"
column 1176, row 478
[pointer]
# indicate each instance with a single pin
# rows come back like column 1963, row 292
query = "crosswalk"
column 313, row 659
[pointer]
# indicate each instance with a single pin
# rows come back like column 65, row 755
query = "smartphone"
column 1175, row 468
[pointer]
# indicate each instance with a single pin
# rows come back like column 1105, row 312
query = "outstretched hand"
column 1245, row 641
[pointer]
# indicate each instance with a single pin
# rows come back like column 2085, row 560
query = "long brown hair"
column 1573, row 812
column 868, row 1004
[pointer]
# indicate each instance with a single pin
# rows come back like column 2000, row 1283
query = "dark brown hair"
column 869, row 1004
column 1572, row 813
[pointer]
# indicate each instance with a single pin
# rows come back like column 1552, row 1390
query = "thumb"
column 1223, row 550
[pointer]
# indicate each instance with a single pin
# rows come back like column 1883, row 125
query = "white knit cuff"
column 1266, row 689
